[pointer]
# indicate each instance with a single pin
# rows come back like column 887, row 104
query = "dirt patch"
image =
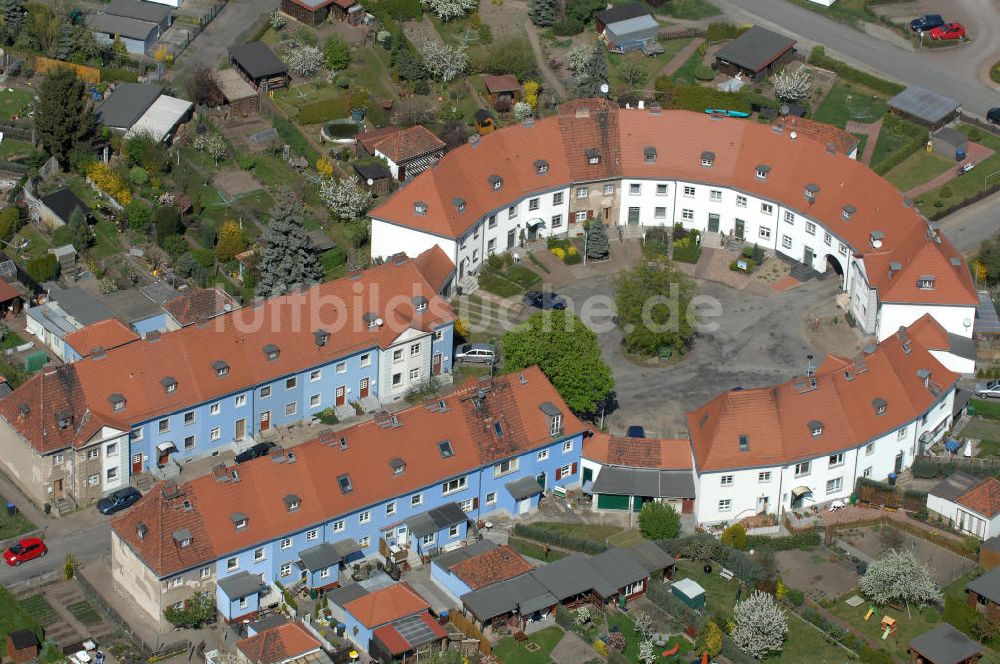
column 820, row 573
column 236, row 182
column 944, row 565
column 826, row 329
column 771, row 270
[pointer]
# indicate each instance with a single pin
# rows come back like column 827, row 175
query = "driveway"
column 945, row 72
column 212, row 45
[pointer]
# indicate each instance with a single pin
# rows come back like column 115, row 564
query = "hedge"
column 917, row 137
column 545, row 535
column 10, row 222
column 929, row 470
column 289, row 134
column 988, row 409
column 819, row 58
column 323, row 110
column 697, row 98
column 718, row 32
column 800, row 541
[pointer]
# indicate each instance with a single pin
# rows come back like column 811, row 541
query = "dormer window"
column 141, row 530
column 555, row 417
column 117, row 402
column 169, row 384
column 707, row 159
column 398, row 466
column 876, row 239
column 879, row 405
column 420, row 208
column 649, row 154
column 816, row 428
column 221, row 368
column 762, row 171
column 541, row 166
column 744, row 442
column 593, row 156
column 496, row 182
column 445, row 449
column 811, row 191
column 271, row 352
column 498, row 429
column 239, row 520
column 292, row 502
column 459, row 204
column 344, row 481
column 182, row 538
column 371, row 318
column 926, row 282
column 24, row 409
column 321, row 337
column 848, row 211
column 419, row 303
column 63, row 419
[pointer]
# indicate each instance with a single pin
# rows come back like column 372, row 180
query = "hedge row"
column 819, row 58
column 546, row 535
column 289, row 134
column 928, row 470
column 987, row 409
column 10, row 222
column 801, row 541
column 916, row 138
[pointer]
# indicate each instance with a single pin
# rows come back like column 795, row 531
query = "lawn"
column 108, row 242
column 649, row 67
column 889, row 142
column 689, row 9
column 589, row 531
column 12, row 148
column 13, row 616
column 509, row 281
column 37, row 244
column 918, row 621
column 961, row 188
column 685, row 75
column 11, row 339
column 918, row 168
column 532, row 550
column 84, row 612
column 849, row 101
column 510, row 651
column 334, row 262
column 14, row 102
column 11, row 526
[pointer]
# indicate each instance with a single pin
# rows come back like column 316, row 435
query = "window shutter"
column 572, row 471
column 475, row 503
column 558, row 474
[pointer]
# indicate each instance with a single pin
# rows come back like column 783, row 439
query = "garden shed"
column 924, row 107
column 241, row 97
column 259, row 65
column 618, row 13
column 22, row 646
column 375, row 177
column 126, row 104
column 944, row 645
column 162, row 118
column 951, row 143
column 756, row 53
column 689, row 592
column 314, row 12
column 631, row 34
column 55, row 209
column 503, row 91
column 140, row 10
column 138, row 36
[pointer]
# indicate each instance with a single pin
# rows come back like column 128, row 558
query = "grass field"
column 13, row 616
column 889, row 142
column 532, row 550
column 11, row 149
column 617, row 62
column 512, row 652
column 107, row 240
column 685, row 75
column 963, row 187
column 689, row 9
column 849, row 101
column 918, row 168
column 509, row 281
column 12, row 526
column 14, row 102
column 589, row 531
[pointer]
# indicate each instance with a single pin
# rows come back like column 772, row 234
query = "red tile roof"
column 777, row 420
column 505, row 83
column 397, row 643
column 278, row 644
column 386, row 605
column 371, row 138
column 409, row 143
column 663, row 453
column 200, row 305
column 844, row 141
column 7, row 291
column 984, row 498
column 105, row 334
column 491, row 567
column 436, row 267
column 619, row 136
column 264, row 484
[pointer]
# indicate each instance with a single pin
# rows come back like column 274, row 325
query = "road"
column 87, row 544
column 213, row 44
column 926, row 68
column 968, row 227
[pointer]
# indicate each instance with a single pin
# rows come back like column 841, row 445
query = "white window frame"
column 454, row 485
column 241, row 400
column 835, row 485
column 233, row 563
column 767, row 208
column 726, row 480
column 741, row 201
column 725, row 505
column 764, row 233
column 366, row 360
column 491, row 498
column 259, row 554
column 215, row 408
column 803, row 468
column 365, row 516
column 416, row 500
column 285, row 570
column 567, row 446
column 715, row 195
column 286, row 543
column 338, row 526
column 764, row 477
column 688, row 191
column 364, row 542
column 542, row 455
column 836, row 460
column 582, row 192
column 312, row 535
column 786, row 241
column 215, row 433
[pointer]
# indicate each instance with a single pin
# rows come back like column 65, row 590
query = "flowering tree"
column 616, row 642
column 346, row 199
column 761, row 625
column 304, row 60
column 590, row 69
column 646, row 653
column 449, row 9
column 792, row 87
column 217, row 147
column 531, row 89
column 522, row 110
column 898, row 577
column 443, row 61
column 643, row 624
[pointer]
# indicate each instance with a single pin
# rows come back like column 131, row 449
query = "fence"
column 468, row 628
column 682, row 34
column 972, row 120
column 941, row 538
column 892, row 497
column 22, row 131
column 194, row 25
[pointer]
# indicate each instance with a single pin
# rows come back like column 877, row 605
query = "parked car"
column 927, row 22
column 118, row 500
column 478, row 353
column 25, row 550
column 948, row 31
column 988, row 390
column 993, row 115
column 544, row 300
column 635, row 431
column 258, row 450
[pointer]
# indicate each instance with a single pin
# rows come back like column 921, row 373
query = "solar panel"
column 415, row 631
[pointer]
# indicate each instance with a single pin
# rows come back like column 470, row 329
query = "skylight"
column 445, row 448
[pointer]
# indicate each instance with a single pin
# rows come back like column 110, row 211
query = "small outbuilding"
column 631, row 34
column 140, row 10
column 944, row 645
column 22, row 646
column 502, row 91
column 259, row 65
column 162, row 118
column 55, row 209
column 375, row 177
column 241, row 97
column 618, row 13
column 138, row 36
column 689, row 592
column 314, row 12
column 924, row 107
column 756, row 53
column 951, row 143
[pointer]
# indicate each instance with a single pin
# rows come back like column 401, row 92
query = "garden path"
column 977, row 152
column 552, row 81
column 871, row 130
column 682, row 56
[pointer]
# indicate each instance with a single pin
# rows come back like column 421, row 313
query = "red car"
column 26, row 549
column 948, row 31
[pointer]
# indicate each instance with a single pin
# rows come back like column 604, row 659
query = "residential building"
column 624, row 473
column 770, row 449
column 289, row 643
column 386, row 487
column 408, row 152
column 968, row 503
column 225, row 383
column 392, row 623
column 636, row 168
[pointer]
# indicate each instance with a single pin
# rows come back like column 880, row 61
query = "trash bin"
column 11, row 509
column 313, row 594
column 960, row 154
column 443, row 618
column 970, row 409
column 892, row 479
column 341, row 628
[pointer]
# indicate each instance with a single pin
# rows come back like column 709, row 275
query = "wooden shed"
column 22, row 646
column 241, row 97
column 259, row 65
column 503, row 91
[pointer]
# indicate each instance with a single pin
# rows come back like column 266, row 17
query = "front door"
column 265, row 420
column 899, row 463
column 163, row 457
column 401, row 533
column 807, row 256
column 341, row 395
column 136, row 464
column 540, row 478
column 436, row 364
column 740, row 229
column 461, row 268
column 511, row 238
column 363, row 389
column 713, row 223
column 240, row 430
column 762, row 503
column 524, row 506
column 633, row 216
column 607, row 214
column 57, row 488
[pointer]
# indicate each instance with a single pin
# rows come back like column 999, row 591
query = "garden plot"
column 820, row 573
column 236, row 182
column 945, row 566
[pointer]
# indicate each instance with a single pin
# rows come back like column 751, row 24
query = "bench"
column 726, row 574
column 559, row 492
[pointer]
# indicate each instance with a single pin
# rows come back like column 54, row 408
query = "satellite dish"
column 370, row 182
column 604, row 88
column 793, row 135
column 379, row 322
column 967, row 322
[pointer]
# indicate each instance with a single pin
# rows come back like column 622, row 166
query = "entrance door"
column 163, row 457
column 511, row 238
column 401, row 533
column 807, row 256
column 436, row 364
column 57, row 488
column 265, row 420
column 541, row 480
column 461, row 268
column 740, row 229
column 633, row 216
column 762, row 503
column 899, row 463
column 363, row 389
column 713, row 223
column 240, row 430
column 524, row 506
column 136, row 463
column 687, row 506
column 341, row 395
column 607, row 214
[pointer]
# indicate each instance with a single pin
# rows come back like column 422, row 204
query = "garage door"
column 612, row 502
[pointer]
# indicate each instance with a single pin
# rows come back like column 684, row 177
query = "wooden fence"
column 470, row 630
column 891, row 497
column 682, row 34
column 937, row 536
column 88, row 74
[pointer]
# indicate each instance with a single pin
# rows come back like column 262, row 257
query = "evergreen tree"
column 65, row 122
column 596, row 68
column 66, row 40
column 85, row 47
column 287, row 259
column 14, row 16
column 597, row 240
column 79, row 231
column 542, row 12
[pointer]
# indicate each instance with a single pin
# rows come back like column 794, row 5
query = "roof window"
column 707, row 159
column 459, row 203
column 292, row 502
column 811, row 191
column 593, row 155
column 649, row 154
column 182, row 538
column 419, row 303
column 815, row 428
column 496, row 182
column 271, row 352
column 541, row 166
column 117, row 402
column 321, row 336
column 926, row 282
column 762, row 171
column 221, row 368
column 63, row 419
column 398, row 466
column 345, row 484
column 239, row 520
column 876, row 239
column 847, row 212
column 445, row 449
column 879, row 404
column 420, row 208
column 169, row 384
column 744, row 442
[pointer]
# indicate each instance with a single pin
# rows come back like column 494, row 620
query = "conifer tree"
column 288, row 259
column 542, row 12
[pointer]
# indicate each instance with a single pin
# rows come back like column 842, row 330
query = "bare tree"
column 204, row 87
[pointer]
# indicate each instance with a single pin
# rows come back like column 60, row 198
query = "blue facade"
column 360, row 635
column 157, row 322
column 449, row 581
column 238, row 606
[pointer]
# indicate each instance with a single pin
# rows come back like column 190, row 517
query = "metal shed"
column 631, row 34
column 924, row 107
column 689, row 592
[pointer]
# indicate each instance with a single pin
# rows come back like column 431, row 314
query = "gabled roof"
column 257, row 60
column 491, row 567
column 140, row 10
column 756, row 48
column 663, row 453
column 105, row 334
column 953, row 486
column 436, row 267
column 945, row 645
column 387, row 605
column 126, row 104
column 63, row 201
column 370, row 446
column 200, row 304
column 505, row 83
column 409, row 143
column 278, row 644
column 777, row 421
column 369, row 139
column 621, row 12
column 984, row 498
column 129, row 28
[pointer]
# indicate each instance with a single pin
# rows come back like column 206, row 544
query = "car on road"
column 118, row 500
column 476, row 353
column 988, row 390
column 544, row 300
column 25, row 550
column 993, row 115
column 635, row 431
column 927, row 22
column 948, row 31
column 258, row 450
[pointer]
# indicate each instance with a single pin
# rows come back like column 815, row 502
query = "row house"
column 638, row 168
column 402, row 486
column 771, row 449
column 225, row 383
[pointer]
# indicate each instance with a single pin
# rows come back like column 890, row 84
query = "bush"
column 573, row 258
column 735, row 537
column 687, row 249
column 168, row 223
column 542, row 533
column 567, row 27
column 718, row 32
column 801, row 541
column 564, row 618
column 704, row 73
column 485, row 33
column 43, row 268
column 819, row 58
column 138, row 176
column 795, row 596
column 403, row 10
column 659, row 521
column 10, row 222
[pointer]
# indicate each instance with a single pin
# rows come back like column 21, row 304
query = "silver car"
column 988, row 390
column 478, row 353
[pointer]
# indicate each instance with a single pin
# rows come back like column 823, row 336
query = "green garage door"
column 606, row 501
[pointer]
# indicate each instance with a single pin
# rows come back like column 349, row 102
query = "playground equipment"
column 871, row 612
column 888, row 626
column 672, row 651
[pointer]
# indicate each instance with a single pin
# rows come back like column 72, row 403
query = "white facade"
column 389, row 239
column 730, row 495
column 955, row 319
column 115, row 453
column 404, row 365
column 953, row 362
column 965, row 519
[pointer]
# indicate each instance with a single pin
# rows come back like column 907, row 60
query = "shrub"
column 795, row 596
column 573, row 259
column 704, row 73
column 564, row 618
column 10, row 222
column 659, row 521
column 724, row 31
column 403, row 10
column 735, row 537
column 485, row 33
column 801, row 541
column 567, row 27
column 43, row 268
column 819, row 58
column 138, row 176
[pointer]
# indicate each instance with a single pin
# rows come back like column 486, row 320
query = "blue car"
column 544, row 300
column 926, row 23
column 118, row 500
